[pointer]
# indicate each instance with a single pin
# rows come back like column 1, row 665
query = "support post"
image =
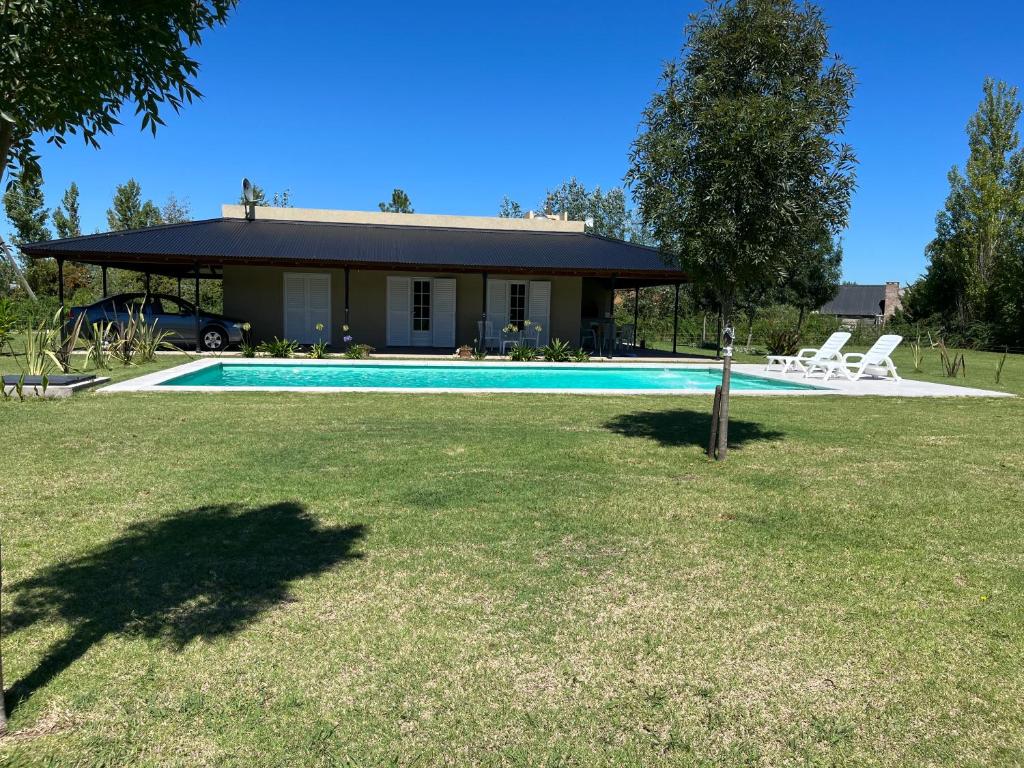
column 610, row 325
column 347, row 283
column 675, row 320
column 196, row 308
column 482, row 341
column 636, row 313
column 60, row 296
column 715, row 410
column 179, row 287
column 723, row 409
column 147, row 283
column 103, row 272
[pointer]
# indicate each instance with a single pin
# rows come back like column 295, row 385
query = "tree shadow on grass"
column 201, row 573
column 681, row 427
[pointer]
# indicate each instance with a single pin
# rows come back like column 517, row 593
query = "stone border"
column 153, row 382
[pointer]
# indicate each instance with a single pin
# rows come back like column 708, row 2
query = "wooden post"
column 103, row 271
column 713, row 437
column 60, row 296
column 610, row 325
column 199, row 345
column 675, row 320
column 723, row 409
column 347, row 282
column 482, row 341
column 636, row 314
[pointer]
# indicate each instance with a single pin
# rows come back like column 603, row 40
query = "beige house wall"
column 256, row 294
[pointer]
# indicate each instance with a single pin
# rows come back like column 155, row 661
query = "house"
column 397, row 280
column 865, row 304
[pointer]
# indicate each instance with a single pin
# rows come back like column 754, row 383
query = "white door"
column 307, row 303
column 443, row 312
column 422, row 312
column 497, row 304
column 539, row 312
column 399, row 311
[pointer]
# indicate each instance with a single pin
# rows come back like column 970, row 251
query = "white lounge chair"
column 829, row 351
column 855, row 366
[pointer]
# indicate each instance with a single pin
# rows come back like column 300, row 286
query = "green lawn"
column 287, row 579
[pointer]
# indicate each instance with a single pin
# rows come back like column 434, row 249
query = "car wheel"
column 214, row 339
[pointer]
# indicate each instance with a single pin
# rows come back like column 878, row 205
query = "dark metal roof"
column 228, row 241
column 857, row 301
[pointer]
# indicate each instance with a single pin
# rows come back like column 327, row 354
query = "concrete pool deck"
column 154, row 382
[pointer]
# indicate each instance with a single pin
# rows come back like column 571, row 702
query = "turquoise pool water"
column 470, row 376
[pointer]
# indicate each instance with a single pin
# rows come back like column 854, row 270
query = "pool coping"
column 153, row 382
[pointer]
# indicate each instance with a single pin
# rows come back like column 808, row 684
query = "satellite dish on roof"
column 248, row 200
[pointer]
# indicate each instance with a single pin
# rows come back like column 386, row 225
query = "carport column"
column 198, row 345
column 347, row 281
column 610, row 326
column 103, row 271
column 636, row 314
column 675, row 320
column 482, row 341
column 60, row 295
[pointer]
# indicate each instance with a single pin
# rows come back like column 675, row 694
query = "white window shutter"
column 497, row 304
column 318, row 304
column 294, row 304
column 539, row 307
column 399, row 311
column 443, row 312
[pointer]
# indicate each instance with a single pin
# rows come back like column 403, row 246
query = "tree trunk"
column 800, row 320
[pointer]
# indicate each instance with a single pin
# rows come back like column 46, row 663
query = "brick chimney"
column 892, row 300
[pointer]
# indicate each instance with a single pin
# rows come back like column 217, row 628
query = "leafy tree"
column 608, row 210
column 977, row 249
column 400, row 203
column 812, row 276
column 134, row 54
column 277, row 200
column 128, row 211
column 68, row 223
column 26, row 210
column 176, row 211
column 739, row 155
column 510, row 209
column 65, row 216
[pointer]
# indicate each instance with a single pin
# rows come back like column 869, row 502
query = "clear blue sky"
column 461, row 103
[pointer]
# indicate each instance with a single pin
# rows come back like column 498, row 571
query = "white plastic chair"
column 829, row 351
column 530, row 336
column 508, row 339
column 854, row 366
column 485, row 332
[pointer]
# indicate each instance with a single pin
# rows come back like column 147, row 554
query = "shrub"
column 580, row 356
column 278, row 347
column 522, row 353
column 97, row 345
column 8, row 322
column 318, row 351
column 557, row 351
column 358, row 352
column 246, row 345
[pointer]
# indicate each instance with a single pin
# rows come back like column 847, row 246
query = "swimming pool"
column 488, row 377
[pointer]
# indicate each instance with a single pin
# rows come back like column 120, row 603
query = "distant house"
column 863, row 304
